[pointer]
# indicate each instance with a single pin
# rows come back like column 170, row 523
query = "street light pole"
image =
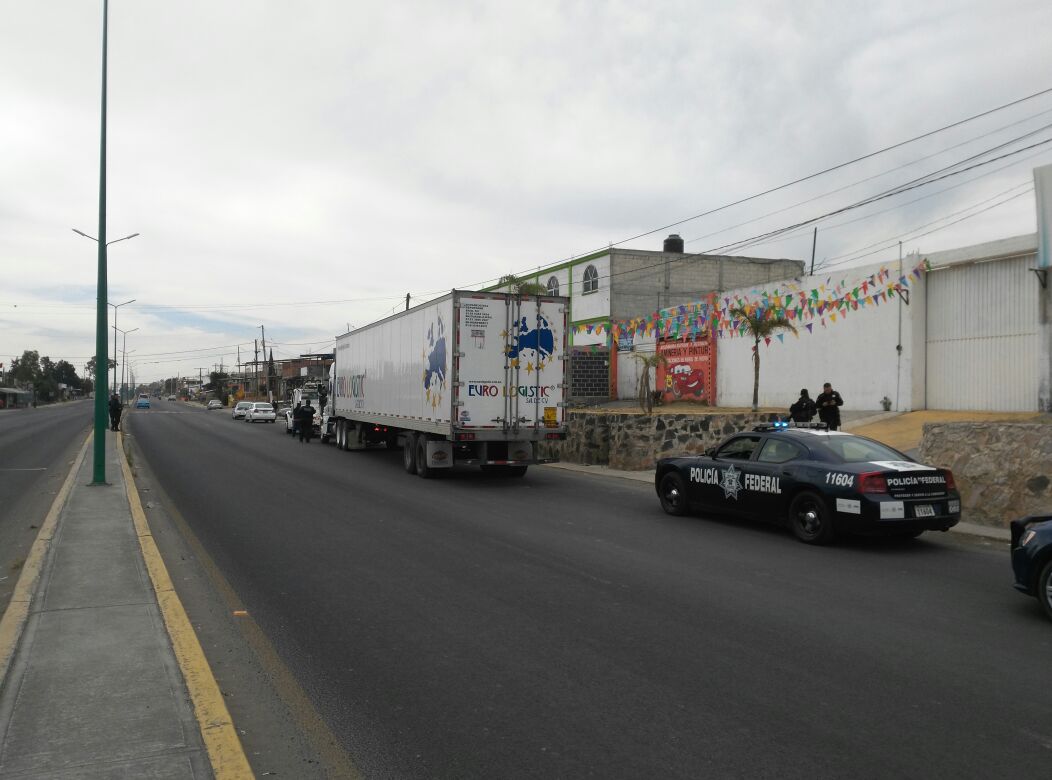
column 124, row 355
column 99, row 445
column 115, row 307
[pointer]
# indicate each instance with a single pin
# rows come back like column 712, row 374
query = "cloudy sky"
column 305, row 165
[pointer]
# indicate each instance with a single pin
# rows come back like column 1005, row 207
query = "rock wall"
column 634, row 442
column 1003, row 470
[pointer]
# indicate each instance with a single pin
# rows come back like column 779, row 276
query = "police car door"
column 725, row 492
column 771, row 471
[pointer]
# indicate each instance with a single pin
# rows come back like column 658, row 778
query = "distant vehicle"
column 472, row 378
column 260, row 412
column 214, row 404
column 240, row 410
column 1032, row 558
column 171, row 398
column 143, row 401
column 815, row 481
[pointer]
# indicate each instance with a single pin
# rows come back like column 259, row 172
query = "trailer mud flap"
column 439, row 454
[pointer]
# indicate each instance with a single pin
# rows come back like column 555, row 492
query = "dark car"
column 1032, row 558
column 816, row 481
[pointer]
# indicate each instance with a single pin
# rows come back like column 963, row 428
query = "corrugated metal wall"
column 982, row 336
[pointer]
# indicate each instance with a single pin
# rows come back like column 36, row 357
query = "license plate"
column 924, row 510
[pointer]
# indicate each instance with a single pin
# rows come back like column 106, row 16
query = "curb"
column 14, row 618
column 225, row 751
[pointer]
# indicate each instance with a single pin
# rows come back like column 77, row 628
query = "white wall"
column 597, row 304
column 856, row 354
column 629, row 369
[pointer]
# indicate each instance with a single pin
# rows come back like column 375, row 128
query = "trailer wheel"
column 409, row 453
column 422, row 469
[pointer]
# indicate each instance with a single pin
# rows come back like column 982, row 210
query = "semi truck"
column 471, row 378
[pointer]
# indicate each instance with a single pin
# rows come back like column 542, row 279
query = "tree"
column 26, row 369
column 522, row 286
column 66, row 374
column 760, row 324
column 218, row 383
column 90, row 368
column 648, row 363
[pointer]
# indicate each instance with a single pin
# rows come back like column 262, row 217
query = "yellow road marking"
column 217, row 729
column 14, row 619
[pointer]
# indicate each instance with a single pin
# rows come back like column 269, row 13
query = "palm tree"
column 760, row 326
column 522, row 286
column 648, row 363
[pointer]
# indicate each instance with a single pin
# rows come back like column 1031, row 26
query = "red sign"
column 688, row 372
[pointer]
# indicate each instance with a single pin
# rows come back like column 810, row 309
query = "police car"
column 1032, row 558
column 816, row 481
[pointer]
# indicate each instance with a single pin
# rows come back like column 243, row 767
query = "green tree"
column 66, row 374
column 90, row 368
column 219, row 384
column 760, row 324
column 25, row 370
column 522, row 286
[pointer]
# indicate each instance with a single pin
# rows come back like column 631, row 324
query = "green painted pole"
column 102, row 359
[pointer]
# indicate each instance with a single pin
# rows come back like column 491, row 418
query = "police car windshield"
column 852, row 449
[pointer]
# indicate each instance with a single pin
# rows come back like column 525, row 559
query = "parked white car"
column 214, row 404
column 241, row 409
column 261, row 412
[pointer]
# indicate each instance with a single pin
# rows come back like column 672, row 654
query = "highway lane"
column 37, row 448
column 562, row 625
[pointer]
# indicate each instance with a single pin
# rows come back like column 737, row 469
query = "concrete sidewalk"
column 93, row 687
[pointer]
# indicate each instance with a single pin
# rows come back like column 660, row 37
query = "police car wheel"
column 672, row 491
column 810, row 520
column 1044, row 589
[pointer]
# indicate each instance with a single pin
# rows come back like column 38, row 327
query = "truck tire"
column 409, row 453
column 422, row 469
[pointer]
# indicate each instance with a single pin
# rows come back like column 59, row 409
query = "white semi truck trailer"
column 476, row 378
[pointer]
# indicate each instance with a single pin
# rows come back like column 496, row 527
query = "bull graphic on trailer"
column 539, row 340
column 435, row 364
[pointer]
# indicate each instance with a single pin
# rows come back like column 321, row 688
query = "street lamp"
column 124, row 353
column 115, row 307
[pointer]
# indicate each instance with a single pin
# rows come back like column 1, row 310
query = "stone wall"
column 634, row 442
column 1003, row 470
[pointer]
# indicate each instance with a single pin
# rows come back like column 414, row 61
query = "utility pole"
column 266, row 378
column 814, row 243
column 406, row 304
column 255, row 362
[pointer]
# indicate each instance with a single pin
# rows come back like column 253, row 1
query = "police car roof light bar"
column 782, row 425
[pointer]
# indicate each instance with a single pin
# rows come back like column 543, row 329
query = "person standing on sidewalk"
column 829, row 403
column 804, row 409
column 115, row 412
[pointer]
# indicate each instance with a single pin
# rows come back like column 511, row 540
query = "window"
column 857, row 450
column 778, row 451
column 740, row 448
column 553, row 286
column 591, row 280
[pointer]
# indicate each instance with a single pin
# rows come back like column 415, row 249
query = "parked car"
column 1032, row 558
column 143, row 401
column 286, row 415
column 214, row 404
column 261, row 412
column 816, row 481
column 240, row 409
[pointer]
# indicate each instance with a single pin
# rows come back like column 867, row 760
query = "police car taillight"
column 872, row 482
column 951, row 484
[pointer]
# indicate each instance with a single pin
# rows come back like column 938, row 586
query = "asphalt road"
column 37, row 448
column 562, row 626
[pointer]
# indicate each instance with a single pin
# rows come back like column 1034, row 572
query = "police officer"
column 804, row 409
column 115, row 412
column 829, row 403
column 306, row 421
